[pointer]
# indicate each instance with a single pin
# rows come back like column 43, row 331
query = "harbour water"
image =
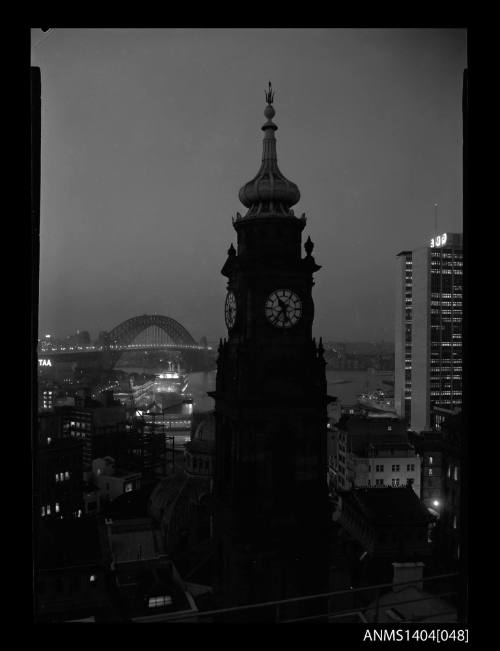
column 344, row 385
column 347, row 385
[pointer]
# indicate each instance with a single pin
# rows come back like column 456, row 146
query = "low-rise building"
column 387, row 464
column 113, row 481
column 95, row 423
column 71, row 571
column 410, row 602
column 46, row 395
column 91, row 498
column 339, row 459
column 182, row 502
column 367, row 452
column 58, row 478
column 441, row 483
column 148, row 587
column 386, row 522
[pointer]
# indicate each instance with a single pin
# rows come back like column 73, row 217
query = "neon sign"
column 44, row 362
column 439, row 240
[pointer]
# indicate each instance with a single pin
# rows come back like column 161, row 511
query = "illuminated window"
column 454, row 521
column 92, row 578
column 431, row 460
column 66, row 475
column 48, row 509
column 455, row 473
column 43, row 511
column 57, row 507
column 430, row 472
column 395, row 482
column 158, row 602
column 128, row 487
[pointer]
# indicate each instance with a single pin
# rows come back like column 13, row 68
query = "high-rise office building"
column 428, row 342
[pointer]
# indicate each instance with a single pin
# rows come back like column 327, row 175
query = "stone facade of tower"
column 271, row 524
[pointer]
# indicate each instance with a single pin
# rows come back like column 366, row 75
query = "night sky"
column 148, row 134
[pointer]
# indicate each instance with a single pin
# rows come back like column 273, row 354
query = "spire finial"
column 269, row 111
column 269, row 94
column 269, row 192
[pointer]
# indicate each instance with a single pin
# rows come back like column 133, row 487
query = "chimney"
column 404, row 572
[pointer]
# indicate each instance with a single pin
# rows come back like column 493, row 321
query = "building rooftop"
column 363, row 432
column 59, row 444
column 413, row 605
column 147, row 583
column 134, row 545
column 147, row 589
column 386, row 449
column 133, row 504
column 70, row 542
column 206, row 429
column 388, row 505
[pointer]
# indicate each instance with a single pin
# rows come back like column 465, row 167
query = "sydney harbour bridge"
column 148, row 332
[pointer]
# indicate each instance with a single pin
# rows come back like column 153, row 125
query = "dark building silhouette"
column 380, row 526
column 101, row 426
column 387, row 522
column 59, row 485
column 464, row 443
column 182, row 504
column 442, row 465
column 271, row 524
column 72, row 576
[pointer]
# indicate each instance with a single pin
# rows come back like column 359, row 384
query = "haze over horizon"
column 148, row 134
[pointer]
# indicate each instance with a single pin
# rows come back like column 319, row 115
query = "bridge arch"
column 125, row 333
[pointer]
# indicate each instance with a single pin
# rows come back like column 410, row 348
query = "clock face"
column 230, row 310
column 283, row 308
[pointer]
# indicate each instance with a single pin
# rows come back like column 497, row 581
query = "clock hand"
column 284, row 314
column 282, row 304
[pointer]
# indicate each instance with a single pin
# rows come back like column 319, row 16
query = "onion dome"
column 203, row 441
column 206, row 429
column 269, row 192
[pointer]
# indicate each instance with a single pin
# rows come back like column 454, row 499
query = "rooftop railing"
column 280, row 612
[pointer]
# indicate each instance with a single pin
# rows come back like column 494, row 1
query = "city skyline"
column 147, row 136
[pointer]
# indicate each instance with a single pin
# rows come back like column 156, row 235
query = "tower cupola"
column 269, row 192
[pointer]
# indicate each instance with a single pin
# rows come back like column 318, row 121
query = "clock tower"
column 271, row 520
